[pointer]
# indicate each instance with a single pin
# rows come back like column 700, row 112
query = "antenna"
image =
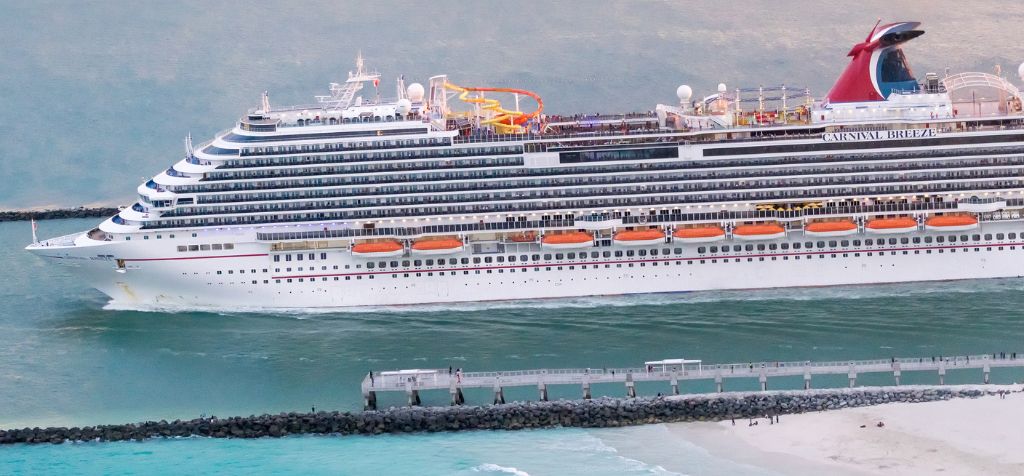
column 402, row 94
column 265, row 102
column 189, row 150
column 879, row 22
column 342, row 95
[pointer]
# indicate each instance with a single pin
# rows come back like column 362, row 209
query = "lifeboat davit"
column 639, row 237
column 951, row 223
column 701, row 234
column 881, row 226
column 831, row 228
column 378, row 249
column 567, row 241
column 437, row 246
column 769, row 231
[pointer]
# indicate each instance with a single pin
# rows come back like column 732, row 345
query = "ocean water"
column 102, row 93
column 68, row 358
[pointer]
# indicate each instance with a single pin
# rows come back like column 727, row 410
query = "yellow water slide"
column 504, row 121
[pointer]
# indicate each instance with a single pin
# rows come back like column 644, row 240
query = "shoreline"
column 57, row 213
column 955, row 436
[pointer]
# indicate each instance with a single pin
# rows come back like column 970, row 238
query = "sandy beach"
column 961, row 437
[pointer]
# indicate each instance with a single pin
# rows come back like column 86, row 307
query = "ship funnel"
column 878, row 67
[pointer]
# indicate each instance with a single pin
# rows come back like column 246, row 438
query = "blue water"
column 66, row 358
column 563, row 452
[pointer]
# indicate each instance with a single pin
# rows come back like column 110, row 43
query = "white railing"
column 442, row 379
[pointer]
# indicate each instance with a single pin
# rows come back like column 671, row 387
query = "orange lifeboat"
column 764, row 231
column 437, row 246
column 565, row 241
column 831, row 228
column 524, row 237
column 378, row 249
column 881, row 226
column 951, row 223
column 700, row 234
column 640, row 237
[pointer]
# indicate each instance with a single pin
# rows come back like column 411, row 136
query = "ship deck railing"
column 699, row 217
column 65, row 240
column 692, row 186
column 772, row 131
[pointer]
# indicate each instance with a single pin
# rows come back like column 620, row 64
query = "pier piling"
column 764, row 381
column 630, row 386
column 852, row 375
column 542, row 389
column 370, row 400
column 985, row 371
column 942, row 372
column 719, row 386
column 457, row 397
column 807, row 379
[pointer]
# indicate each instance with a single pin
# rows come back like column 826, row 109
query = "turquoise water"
column 65, row 359
column 562, row 452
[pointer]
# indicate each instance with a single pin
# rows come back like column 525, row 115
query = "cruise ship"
column 449, row 193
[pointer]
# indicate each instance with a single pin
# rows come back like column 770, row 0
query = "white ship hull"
column 248, row 276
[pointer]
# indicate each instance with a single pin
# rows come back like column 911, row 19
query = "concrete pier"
column 412, row 382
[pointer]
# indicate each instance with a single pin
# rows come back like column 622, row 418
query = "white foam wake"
column 493, row 468
column 855, row 292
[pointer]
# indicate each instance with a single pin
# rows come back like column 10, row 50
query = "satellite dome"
column 722, row 88
column 403, row 107
column 1020, row 71
column 415, row 92
column 684, row 93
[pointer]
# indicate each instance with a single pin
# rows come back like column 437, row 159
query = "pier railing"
column 413, row 381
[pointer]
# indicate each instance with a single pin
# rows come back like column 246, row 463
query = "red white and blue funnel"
column 878, row 66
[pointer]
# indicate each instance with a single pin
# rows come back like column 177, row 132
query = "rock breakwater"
column 81, row 212
column 597, row 413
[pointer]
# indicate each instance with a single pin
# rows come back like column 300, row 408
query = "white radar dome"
column 1020, row 71
column 684, row 93
column 403, row 107
column 415, row 92
column 722, row 88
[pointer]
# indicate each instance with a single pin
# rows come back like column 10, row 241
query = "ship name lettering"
column 863, row 136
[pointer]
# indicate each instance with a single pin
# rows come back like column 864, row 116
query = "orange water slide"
column 504, row 120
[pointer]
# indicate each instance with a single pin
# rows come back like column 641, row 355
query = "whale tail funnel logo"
column 878, row 66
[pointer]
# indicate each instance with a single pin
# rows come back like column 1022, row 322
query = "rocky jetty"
column 80, row 212
column 597, row 413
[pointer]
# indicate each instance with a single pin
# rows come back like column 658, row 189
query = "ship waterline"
column 444, row 194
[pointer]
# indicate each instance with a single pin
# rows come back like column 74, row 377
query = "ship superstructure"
column 454, row 193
